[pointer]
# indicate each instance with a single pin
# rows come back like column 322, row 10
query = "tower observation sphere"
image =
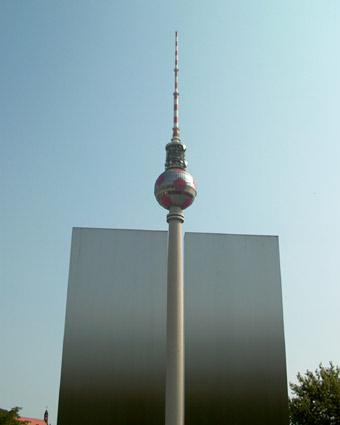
column 175, row 188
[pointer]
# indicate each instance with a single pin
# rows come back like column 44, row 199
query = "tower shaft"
column 174, row 400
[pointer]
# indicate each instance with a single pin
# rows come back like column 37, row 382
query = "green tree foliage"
column 316, row 397
column 11, row 417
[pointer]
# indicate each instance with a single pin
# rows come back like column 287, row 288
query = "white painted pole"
column 174, row 403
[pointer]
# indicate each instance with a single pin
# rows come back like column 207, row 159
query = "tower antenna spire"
column 175, row 129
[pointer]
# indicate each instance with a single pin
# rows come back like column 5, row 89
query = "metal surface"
column 175, row 129
column 175, row 187
column 113, row 369
column 235, row 353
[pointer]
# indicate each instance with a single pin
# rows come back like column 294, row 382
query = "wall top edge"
column 165, row 231
column 120, row 230
column 232, row 234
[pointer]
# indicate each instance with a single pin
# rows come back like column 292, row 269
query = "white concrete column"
column 174, row 400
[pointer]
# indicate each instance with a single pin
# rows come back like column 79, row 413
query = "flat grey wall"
column 113, row 369
column 235, row 352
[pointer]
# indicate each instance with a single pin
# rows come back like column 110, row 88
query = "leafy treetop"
column 11, row 417
column 316, row 397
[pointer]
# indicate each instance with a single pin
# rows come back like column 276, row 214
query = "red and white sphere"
column 175, row 188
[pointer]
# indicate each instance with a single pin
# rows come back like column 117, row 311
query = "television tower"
column 175, row 190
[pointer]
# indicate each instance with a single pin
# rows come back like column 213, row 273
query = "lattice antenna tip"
column 175, row 129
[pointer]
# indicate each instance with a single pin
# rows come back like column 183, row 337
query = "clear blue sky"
column 85, row 112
